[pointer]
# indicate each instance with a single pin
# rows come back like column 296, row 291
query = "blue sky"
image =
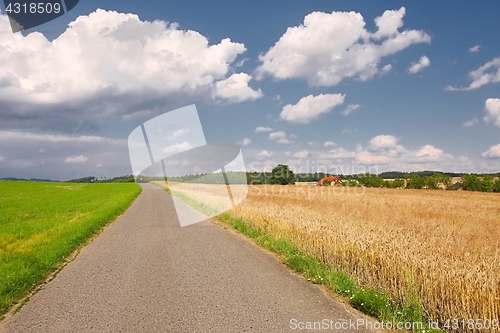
column 349, row 86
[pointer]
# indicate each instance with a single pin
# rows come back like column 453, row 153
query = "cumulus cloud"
column 384, row 151
column 386, row 69
column 280, row 137
column 263, row 129
column 492, row 152
column 235, row 89
column 112, row 64
column 488, row 73
column 470, row 123
column 310, row 108
column 329, row 47
column 492, row 107
column 264, row 153
column 366, row 157
column 339, row 154
column 77, row 159
column 245, row 142
column 420, row 65
column 178, row 147
column 329, row 144
column 313, row 143
column 383, row 141
column 179, row 133
column 301, row 154
column 428, row 153
column 277, row 135
column 475, row 49
column 294, row 161
column 350, row 109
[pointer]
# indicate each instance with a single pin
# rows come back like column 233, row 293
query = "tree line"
column 283, row 175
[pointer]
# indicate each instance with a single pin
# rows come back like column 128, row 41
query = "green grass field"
column 41, row 224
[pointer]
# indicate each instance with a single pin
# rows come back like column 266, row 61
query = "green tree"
column 443, row 179
column 370, row 180
column 487, row 183
column 471, row 183
column 398, row 183
column 415, row 181
column 496, row 186
column 282, row 175
column 431, row 182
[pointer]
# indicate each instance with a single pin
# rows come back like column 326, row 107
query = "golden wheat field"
column 441, row 246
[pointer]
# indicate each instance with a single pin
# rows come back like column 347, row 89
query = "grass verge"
column 42, row 224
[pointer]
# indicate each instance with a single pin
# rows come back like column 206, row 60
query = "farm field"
column 440, row 247
column 41, row 224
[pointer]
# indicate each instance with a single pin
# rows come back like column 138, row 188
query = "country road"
column 145, row 273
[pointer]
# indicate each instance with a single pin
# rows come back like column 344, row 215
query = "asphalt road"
column 145, row 273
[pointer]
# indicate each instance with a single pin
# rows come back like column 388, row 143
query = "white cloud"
column 420, row 65
column 350, row 109
column 284, row 141
column 339, row 153
column 245, row 142
column 329, row 47
column 481, row 76
column 178, row 147
column 386, row 69
column 6, row 136
column 1, row 158
column 383, row 150
column 475, row 49
column 179, row 133
column 383, row 141
column 277, row 135
column 492, row 107
column 294, row 161
column 278, row 99
column 492, row 152
column 77, row 159
column 112, row 64
column 263, row 129
column 301, row 154
column 265, row 153
column 310, row 108
column 329, row 144
column 366, row 157
column 469, row 122
column 428, row 153
column 348, row 131
column 313, row 143
column 241, row 62
column 235, row 89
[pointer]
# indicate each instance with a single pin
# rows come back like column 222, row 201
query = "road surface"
column 145, row 273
